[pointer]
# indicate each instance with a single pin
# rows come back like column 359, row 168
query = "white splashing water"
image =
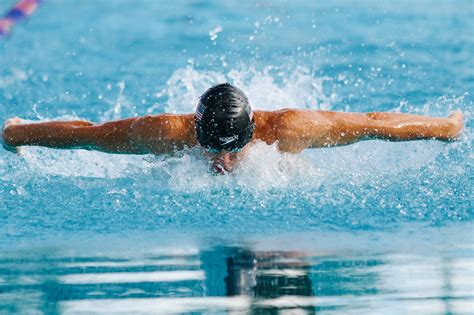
column 269, row 89
column 115, row 112
column 264, row 168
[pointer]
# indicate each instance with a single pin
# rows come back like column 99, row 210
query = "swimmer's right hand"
column 10, row 122
column 7, row 147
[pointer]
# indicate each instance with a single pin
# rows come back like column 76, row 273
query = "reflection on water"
column 235, row 279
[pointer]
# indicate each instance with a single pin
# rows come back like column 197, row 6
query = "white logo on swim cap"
column 200, row 111
column 227, row 140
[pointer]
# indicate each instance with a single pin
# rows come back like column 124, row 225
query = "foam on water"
column 269, row 89
column 352, row 57
column 298, row 89
column 372, row 184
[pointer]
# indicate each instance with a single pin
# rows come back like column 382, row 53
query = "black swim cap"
column 224, row 119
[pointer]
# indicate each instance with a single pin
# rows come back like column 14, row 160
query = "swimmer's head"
column 224, row 119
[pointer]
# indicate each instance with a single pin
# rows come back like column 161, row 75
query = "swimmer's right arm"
column 140, row 135
column 108, row 137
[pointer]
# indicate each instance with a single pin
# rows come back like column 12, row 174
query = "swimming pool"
column 374, row 227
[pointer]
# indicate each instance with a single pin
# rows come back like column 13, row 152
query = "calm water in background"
column 371, row 228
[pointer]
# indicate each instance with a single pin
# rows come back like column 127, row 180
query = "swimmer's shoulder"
column 288, row 124
column 286, row 116
column 267, row 123
column 165, row 120
column 160, row 133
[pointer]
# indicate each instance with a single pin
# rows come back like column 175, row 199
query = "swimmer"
column 225, row 126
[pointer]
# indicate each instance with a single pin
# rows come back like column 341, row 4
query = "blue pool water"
column 374, row 227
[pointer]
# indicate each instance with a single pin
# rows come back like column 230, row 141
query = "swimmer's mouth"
column 224, row 162
column 221, row 167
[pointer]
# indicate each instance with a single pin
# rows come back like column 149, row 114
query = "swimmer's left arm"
column 296, row 130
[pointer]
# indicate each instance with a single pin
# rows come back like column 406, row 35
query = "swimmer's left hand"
column 456, row 125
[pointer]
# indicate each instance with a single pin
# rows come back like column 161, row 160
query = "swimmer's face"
column 225, row 161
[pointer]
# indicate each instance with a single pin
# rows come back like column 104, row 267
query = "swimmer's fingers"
column 7, row 147
column 10, row 122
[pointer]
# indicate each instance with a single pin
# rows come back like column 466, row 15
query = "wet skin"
column 226, row 161
column 291, row 130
